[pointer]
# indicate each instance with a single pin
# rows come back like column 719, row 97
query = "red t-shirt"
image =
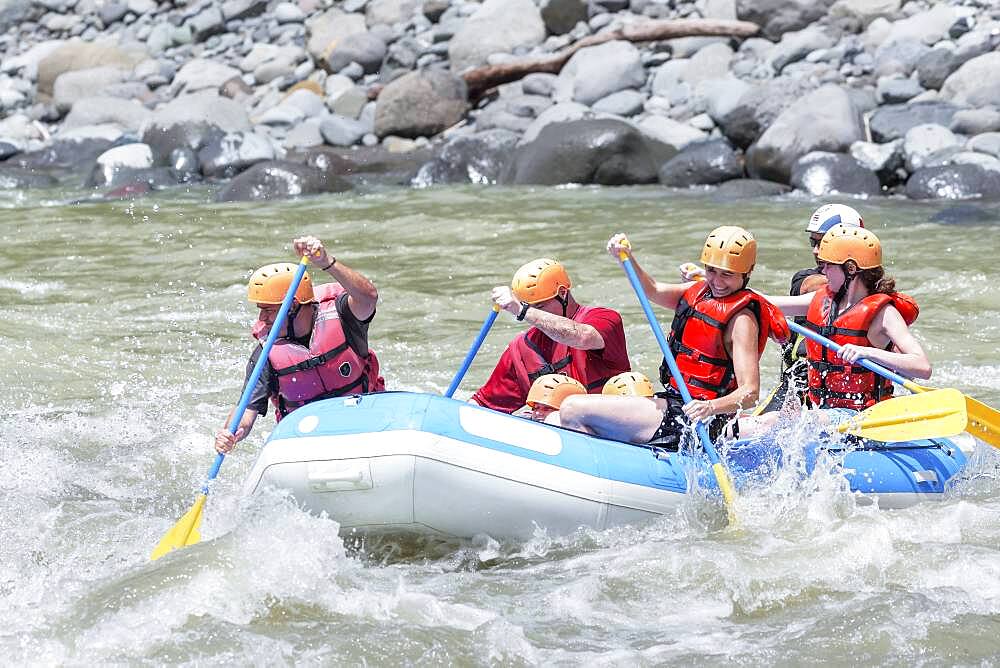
column 507, row 387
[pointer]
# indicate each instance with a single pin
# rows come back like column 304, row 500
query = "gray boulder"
column 795, row 46
column 72, row 155
column 702, row 163
column 988, row 143
column 363, row 48
column 390, row 12
column 776, row 17
column 953, row 182
column 343, row 131
column 601, row 151
column 129, row 115
column 976, row 83
column 120, row 165
column 894, row 121
column 824, row 120
column 820, row 174
column 477, row 158
column 597, row 71
column 539, row 83
column 896, row 91
column 78, row 84
column 498, row 26
column 420, row 104
column 749, row 189
column 975, row 121
column 226, row 155
column 77, row 55
column 862, row 12
column 758, row 107
column 280, row 179
column 900, row 57
column 623, row 103
column 324, row 31
column 885, row 160
column 924, row 141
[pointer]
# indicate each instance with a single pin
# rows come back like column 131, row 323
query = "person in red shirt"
column 584, row 342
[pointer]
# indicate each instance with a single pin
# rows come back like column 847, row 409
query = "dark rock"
column 280, row 179
column 193, row 136
column 561, row 16
column 184, row 165
column 206, row 24
column 7, row 150
column 66, row 154
column 243, row 9
column 595, row 7
column 961, row 26
column 894, row 121
column 420, row 104
column 897, row 91
column 749, row 189
column 230, row 154
column 156, row 178
column 603, row 151
column 366, row 165
column 821, row 173
column 479, row 158
column 953, row 182
column 20, row 177
column 757, row 108
column 433, row 9
column 702, row 163
column 234, row 88
column 776, row 17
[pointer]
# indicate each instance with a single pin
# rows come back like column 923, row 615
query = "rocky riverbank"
column 271, row 99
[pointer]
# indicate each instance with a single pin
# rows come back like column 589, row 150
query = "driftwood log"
column 481, row 79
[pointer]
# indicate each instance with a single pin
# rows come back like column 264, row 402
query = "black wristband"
column 524, row 310
column 333, row 261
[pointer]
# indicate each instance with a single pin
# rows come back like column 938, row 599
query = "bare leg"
column 631, row 419
column 754, row 425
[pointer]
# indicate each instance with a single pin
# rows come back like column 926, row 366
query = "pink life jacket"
column 329, row 367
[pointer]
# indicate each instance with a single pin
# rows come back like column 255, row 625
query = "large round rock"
column 953, row 182
column 421, row 104
column 819, row 173
column 604, row 151
column 702, row 163
column 280, row 179
column 478, row 158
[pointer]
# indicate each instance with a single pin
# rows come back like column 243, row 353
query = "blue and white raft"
column 401, row 462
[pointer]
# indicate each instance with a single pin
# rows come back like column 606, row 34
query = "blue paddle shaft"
column 699, row 426
column 258, row 368
column 487, row 324
column 868, row 364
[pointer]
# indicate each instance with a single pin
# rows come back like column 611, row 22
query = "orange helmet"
column 550, row 390
column 629, row 384
column 844, row 242
column 270, row 283
column 539, row 280
column 731, row 248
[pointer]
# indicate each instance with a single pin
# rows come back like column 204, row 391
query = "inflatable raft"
column 401, row 462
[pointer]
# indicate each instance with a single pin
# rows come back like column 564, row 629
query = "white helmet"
column 829, row 215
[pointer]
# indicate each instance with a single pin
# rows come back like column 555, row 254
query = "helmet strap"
column 292, row 313
column 562, row 300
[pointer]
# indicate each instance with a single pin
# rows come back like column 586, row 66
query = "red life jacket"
column 833, row 384
column 696, row 337
column 329, row 367
column 530, row 362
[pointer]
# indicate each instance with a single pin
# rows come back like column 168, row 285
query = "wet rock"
column 923, row 141
column 820, row 173
column 7, row 150
column 602, row 151
column 893, row 121
column 435, row 9
column 229, row 154
column 885, row 160
column 964, row 214
column 824, row 120
column 119, row 164
column 280, row 179
column 420, row 104
column 20, row 178
column 953, row 182
column 498, row 26
column 183, row 165
column 63, row 154
column 702, row 163
column 477, row 158
column 670, row 132
column 557, row 113
column 749, row 189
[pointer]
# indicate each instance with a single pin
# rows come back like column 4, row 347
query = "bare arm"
column 792, row 306
column 362, row 296
column 907, row 355
column 667, row 295
column 741, row 342
column 225, row 441
column 563, row 330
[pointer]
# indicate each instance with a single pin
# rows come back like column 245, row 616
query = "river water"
column 124, row 337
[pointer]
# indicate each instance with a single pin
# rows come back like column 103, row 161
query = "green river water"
column 124, row 337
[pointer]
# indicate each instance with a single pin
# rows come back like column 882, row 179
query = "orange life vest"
column 696, row 337
column 832, row 383
column 328, row 367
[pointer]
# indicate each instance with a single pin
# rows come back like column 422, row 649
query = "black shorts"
column 674, row 422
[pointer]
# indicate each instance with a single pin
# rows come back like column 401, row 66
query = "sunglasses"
column 814, row 242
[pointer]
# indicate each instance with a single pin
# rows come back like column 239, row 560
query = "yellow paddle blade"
column 984, row 422
column 933, row 414
column 726, row 487
column 184, row 533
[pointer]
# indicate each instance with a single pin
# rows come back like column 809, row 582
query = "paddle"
column 185, row 532
column 490, row 319
column 934, row 414
column 982, row 421
column 721, row 476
